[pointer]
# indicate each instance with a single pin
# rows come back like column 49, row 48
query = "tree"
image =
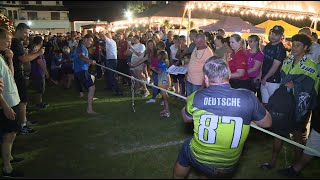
column 166, row 23
column 136, row 7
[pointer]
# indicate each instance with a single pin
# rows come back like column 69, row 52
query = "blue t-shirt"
column 68, row 64
column 79, row 64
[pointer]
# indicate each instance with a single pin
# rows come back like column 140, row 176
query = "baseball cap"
column 277, row 29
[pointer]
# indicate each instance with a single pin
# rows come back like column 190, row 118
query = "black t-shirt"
column 272, row 52
column 18, row 50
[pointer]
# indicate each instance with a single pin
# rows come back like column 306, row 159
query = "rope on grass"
column 252, row 124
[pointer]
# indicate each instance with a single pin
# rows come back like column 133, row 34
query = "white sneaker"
column 162, row 103
column 148, row 80
column 151, row 101
column 146, row 94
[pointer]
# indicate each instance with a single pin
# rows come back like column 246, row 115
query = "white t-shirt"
column 141, row 48
column 173, row 50
column 314, row 53
column 111, row 49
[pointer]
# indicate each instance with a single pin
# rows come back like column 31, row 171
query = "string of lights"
column 257, row 8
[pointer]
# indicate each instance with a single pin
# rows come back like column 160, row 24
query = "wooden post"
column 184, row 12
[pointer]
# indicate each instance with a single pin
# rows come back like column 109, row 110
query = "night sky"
column 114, row 10
column 94, row 10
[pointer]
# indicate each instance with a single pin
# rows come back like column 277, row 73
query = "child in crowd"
column 67, row 67
column 163, row 80
column 55, row 69
column 39, row 72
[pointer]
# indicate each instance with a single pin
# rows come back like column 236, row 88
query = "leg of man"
column 6, row 148
column 180, row 172
column 91, row 91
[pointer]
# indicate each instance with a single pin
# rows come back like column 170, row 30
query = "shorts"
column 313, row 143
column 22, row 88
column 55, row 74
column 178, row 78
column 8, row 125
column 40, row 85
column 267, row 90
column 140, row 67
column 85, row 78
column 185, row 159
column 281, row 124
column 67, row 69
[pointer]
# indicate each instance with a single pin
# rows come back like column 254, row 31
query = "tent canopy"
column 233, row 24
column 289, row 30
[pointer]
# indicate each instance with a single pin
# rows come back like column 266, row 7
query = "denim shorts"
column 190, row 88
column 185, row 159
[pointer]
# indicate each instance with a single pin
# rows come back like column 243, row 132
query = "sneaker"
column 151, row 101
column 13, row 173
column 42, row 106
column 16, row 160
column 32, row 122
column 27, row 130
column 289, row 172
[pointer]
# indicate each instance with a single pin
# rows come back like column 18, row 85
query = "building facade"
column 43, row 17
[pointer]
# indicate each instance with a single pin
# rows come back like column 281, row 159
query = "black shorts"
column 8, row 125
column 85, row 79
column 178, row 78
column 39, row 85
column 67, row 69
column 22, row 88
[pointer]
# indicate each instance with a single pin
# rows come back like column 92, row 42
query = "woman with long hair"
column 255, row 59
column 238, row 63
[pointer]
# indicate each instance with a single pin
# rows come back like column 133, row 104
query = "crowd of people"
column 224, row 76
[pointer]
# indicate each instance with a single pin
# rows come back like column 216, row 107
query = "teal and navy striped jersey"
column 221, row 117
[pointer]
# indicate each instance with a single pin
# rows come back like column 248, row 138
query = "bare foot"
column 92, row 112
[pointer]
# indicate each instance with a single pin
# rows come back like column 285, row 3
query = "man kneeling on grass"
column 221, row 116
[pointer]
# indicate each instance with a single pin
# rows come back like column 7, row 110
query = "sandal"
column 266, row 166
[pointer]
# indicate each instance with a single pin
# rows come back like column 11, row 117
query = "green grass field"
column 118, row 143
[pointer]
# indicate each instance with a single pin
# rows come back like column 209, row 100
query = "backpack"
column 281, row 107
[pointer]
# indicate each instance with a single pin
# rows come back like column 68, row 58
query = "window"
column 10, row 13
column 55, row 15
column 32, row 15
column 24, row 2
column 13, row 2
column 38, row 2
column 15, row 14
column 58, row 3
column 8, row 2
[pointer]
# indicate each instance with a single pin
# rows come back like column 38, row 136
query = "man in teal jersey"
column 221, row 116
column 299, row 73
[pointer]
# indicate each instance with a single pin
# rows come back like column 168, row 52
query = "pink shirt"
column 197, row 61
column 251, row 59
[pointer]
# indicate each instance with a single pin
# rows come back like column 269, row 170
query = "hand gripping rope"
column 178, row 95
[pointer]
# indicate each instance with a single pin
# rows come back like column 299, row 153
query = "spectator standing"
column 274, row 54
column 199, row 57
column 20, row 57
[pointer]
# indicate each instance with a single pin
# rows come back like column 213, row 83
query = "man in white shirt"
column 314, row 52
column 111, row 62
